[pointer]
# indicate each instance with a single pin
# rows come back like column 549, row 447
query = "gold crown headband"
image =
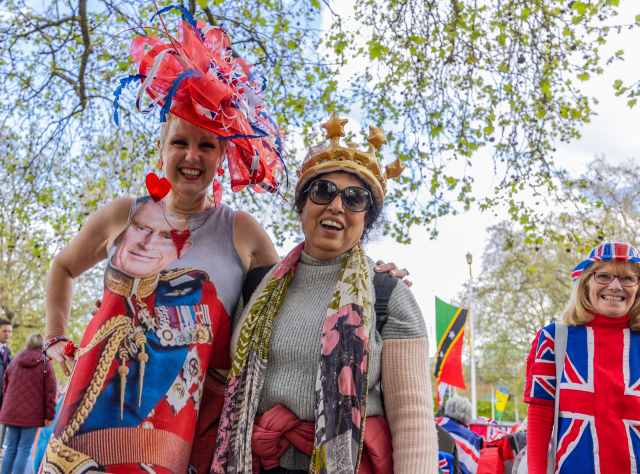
column 325, row 158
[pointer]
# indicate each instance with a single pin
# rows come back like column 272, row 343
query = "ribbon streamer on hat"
column 196, row 78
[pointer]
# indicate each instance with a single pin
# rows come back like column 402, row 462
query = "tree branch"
column 86, row 40
column 212, row 19
column 48, row 24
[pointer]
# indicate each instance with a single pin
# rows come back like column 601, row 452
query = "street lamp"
column 474, row 398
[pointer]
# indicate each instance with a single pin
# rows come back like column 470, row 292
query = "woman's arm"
column 253, row 243
column 88, row 248
column 409, row 405
column 407, row 386
column 539, row 428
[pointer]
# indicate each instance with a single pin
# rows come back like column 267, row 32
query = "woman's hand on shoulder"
column 392, row 268
column 253, row 243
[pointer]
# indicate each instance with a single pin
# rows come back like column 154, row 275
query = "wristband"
column 53, row 341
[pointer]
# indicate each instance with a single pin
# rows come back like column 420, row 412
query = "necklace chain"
column 190, row 230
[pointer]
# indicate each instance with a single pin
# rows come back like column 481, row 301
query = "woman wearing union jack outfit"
column 598, row 419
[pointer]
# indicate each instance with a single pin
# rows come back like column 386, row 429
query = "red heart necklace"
column 180, row 237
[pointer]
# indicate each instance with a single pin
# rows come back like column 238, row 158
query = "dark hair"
column 4, row 322
column 371, row 215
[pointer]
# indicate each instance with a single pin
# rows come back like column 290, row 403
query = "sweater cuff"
column 409, row 405
column 539, row 429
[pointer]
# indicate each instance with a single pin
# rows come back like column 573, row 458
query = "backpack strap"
column 382, row 282
column 253, row 279
column 384, row 285
column 560, row 351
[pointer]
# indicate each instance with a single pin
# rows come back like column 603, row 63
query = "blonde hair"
column 35, row 340
column 578, row 311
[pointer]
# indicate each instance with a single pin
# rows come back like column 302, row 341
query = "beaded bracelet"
column 53, row 341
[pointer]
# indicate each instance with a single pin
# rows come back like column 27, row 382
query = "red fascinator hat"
column 196, row 77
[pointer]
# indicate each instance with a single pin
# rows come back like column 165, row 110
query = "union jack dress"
column 599, row 415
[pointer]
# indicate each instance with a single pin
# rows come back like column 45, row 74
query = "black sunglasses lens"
column 323, row 192
column 355, row 198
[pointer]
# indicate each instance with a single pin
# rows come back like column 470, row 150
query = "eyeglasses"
column 354, row 198
column 604, row 278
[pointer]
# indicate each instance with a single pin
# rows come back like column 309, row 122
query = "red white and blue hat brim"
column 606, row 251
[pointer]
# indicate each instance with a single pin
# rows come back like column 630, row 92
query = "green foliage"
column 525, row 285
column 36, row 219
column 451, row 78
column 62, row 157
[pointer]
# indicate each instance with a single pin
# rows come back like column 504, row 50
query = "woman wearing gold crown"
column 312, row 351
column 176, row 261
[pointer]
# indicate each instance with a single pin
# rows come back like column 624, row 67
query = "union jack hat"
column 197, row 78
column 605, row 251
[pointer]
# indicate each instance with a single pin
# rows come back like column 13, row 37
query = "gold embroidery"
column 61, row 459
column 124, row 285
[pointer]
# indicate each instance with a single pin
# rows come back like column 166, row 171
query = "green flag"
column 450, row 322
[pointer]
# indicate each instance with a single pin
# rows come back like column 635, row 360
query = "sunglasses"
column 354, row 198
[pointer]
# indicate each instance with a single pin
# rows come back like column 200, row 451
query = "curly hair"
column 371, row 216
column 578, row 311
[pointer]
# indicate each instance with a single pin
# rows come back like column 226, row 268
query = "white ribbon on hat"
column 147, row 82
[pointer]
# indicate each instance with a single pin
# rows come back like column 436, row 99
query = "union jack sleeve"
column 541, row 370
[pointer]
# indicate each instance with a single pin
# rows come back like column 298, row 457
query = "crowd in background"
column 468, row 446
column 27, row 400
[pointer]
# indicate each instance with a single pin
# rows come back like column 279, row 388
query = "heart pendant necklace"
column 180, row 237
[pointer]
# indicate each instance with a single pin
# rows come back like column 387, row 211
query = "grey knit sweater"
column 296, row 340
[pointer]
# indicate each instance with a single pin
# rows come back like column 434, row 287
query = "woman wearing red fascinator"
column 158, row 347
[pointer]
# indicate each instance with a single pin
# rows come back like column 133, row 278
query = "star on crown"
column 335, row 126
column 377, row 137
column 351, row 156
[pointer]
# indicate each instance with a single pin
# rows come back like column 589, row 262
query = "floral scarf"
column 341, row 383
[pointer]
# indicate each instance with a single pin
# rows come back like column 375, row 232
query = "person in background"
column 29, row 395
column 6, row 330
column 447, row 444
column 457, row 416
column 599, row 407
column 42, row 438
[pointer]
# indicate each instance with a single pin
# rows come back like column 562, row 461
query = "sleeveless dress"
column 599, row 419
column 134, row 394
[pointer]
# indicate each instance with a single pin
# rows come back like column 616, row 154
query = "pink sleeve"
column 409, row 405
column 539, row 428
